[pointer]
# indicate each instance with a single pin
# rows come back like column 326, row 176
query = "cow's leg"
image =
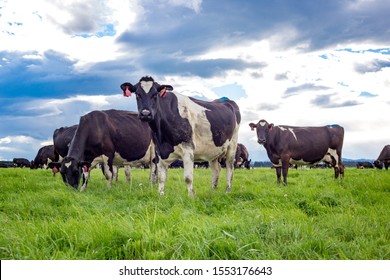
column 108, row 173
column 153, row 173
column 85, row 179
column 188, row 164
column 162, row 170
column 285, row 166
column 230, row 158
column 128, row 173
column 278, row 173
column 115, row 171
column 215, row 170
column 341, row 167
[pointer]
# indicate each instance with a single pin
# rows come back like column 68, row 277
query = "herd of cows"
column 171, row 130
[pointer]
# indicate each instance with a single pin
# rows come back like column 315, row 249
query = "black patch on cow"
column 61, row 138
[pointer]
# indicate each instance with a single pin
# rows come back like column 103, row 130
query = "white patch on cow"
column 279, row 164
column 68, row 164
column 204, row 148
column 146, row 85
column 262, row 123
column 331, row 153
column 282, row 128
column 293, row 133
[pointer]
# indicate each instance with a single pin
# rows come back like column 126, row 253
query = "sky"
column 302, row 63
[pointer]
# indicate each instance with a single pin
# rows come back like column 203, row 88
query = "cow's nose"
column 145, row 113
column 261, row 141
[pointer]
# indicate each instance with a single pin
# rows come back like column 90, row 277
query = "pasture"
column 314, row 217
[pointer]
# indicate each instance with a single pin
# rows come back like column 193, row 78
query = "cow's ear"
column 253, row 126
column 270, row 126
column 168, row 87
column 163, row 89
column 54, row 164
column 85, row 165
column 127, row 89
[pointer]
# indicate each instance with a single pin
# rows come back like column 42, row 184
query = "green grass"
column 314, row 217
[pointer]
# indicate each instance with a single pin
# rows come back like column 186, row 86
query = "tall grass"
column 314, row 217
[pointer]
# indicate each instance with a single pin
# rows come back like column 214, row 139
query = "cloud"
column 326, row 101
column 303, row 88
column 373, row 66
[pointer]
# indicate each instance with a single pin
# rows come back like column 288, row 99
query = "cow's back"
column 214, row 125
column 385, row 153
column 115, row 131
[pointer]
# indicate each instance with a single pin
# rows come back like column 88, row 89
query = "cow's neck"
column 77, row 146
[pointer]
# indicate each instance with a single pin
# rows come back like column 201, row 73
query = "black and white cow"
column 301, row 145
column 364, row 164
column 188, row 129
column 44, row 156
column 383, row 158
column 242, row 157
column 21, row 162
column 110, row 137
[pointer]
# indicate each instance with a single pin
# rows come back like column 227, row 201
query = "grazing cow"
column 301, row 145
column 21, row 162
column 242, row 157
column 111, row 137
column 384, row 158
column 364, row 164
column 44, row 156
column 188, row 129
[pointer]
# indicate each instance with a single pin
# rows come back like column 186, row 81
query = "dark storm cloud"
column 53, row 74
column 318, row 24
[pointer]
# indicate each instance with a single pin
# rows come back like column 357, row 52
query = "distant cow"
column 301, row 145
column 44, row 156
column 242, row 157
column 187, row 128
column 6, row 164
column 110, row 137
column 364, row 164
column 384, row 158
column 21, row 162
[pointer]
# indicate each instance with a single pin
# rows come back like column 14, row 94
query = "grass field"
column 314, row 217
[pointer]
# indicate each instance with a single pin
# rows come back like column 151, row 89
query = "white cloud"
column 44, row 25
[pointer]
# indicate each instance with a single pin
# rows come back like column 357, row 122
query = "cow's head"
column 378, row 164
column 72, row 169
column 148, row 93
column 263, row 129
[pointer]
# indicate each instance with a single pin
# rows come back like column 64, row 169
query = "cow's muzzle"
column 261, row 141
column 145, row 115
